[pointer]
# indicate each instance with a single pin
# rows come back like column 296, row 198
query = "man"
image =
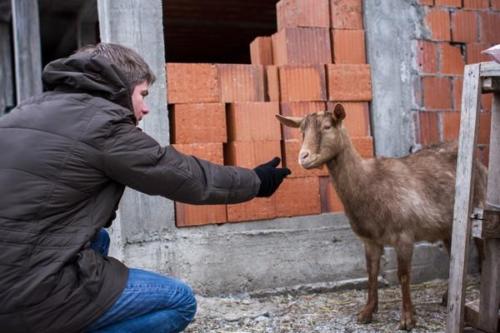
column 66, row 157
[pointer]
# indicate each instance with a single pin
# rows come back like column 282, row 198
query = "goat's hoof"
column 407, row 322
column 365, row 317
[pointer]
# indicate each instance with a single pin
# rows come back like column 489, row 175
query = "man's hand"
column 270, row 177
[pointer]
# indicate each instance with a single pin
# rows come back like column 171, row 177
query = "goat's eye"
column 327, row 127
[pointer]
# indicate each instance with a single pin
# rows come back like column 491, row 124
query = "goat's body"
column 389, row 201
column 397, row 202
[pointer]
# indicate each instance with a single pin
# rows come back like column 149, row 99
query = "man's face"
column 138, row 95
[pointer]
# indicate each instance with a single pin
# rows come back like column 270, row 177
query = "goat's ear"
column 289, row 121
column 339, row 112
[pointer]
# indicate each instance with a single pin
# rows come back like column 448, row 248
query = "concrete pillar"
column 138, row 24
column 27, row 49
column 391, row 29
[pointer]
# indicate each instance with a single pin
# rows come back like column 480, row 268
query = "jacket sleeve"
column 136, row 160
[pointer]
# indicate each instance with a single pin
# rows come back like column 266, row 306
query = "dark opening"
column 216, row 31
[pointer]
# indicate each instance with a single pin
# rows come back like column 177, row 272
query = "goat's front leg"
column 404, row 253
column 372, row 253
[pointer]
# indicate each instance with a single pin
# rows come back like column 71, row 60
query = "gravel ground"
column 323, row 312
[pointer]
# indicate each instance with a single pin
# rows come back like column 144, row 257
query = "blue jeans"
column 149, row 303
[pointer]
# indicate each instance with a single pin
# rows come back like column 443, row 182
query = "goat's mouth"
column 311, row 162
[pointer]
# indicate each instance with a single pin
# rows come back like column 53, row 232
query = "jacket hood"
column 86, row 73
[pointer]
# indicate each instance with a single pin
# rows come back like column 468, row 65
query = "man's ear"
column 289, row 121
column 339, row 112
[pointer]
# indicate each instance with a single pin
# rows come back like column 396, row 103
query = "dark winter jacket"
column 65, row 158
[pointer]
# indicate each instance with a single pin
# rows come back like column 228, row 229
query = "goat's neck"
column 347, row 169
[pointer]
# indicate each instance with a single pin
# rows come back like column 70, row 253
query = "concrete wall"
column 286, row 252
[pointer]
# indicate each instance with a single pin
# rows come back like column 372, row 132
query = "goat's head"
column 321, row 133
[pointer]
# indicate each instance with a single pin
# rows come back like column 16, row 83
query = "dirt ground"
column 323, row 312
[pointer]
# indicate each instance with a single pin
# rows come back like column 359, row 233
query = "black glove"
column 270, row 177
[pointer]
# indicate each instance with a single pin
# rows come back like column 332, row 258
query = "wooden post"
column 463, row 198
column 490, row 274
column 27, row 53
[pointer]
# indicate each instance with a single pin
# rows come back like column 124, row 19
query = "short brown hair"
column 129, row 62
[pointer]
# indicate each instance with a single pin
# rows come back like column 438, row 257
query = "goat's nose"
column 303, row 155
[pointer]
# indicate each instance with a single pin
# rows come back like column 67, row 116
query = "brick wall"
column 225, row 112
column 458, row 31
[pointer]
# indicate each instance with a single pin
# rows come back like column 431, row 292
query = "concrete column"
column 138, row 24
column 27, row 49
column 392, row 26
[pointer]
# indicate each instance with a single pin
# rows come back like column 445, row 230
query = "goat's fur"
column 389, row 201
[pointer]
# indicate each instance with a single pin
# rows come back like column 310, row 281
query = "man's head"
column 137, row 73
column 129, row 62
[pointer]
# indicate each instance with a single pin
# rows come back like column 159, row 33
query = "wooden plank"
column 27, row 53
column 491, row 84
column 472, row 315
column 463, row 198
column 6, row 65
column 490, row 69
column 490, row 273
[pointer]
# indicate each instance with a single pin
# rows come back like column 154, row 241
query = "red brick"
column 303, row 13
column 448, row 3
column 199, row 123
column 464, row 26
column 437, row 92
column 212, row 152
column 348, row 46
column 357, row 120
column 438, row 22
column 298, row 109
column 302, row 83
column 429, row 127
column 241, row 83
column 483, row 136
column 427, row 56
column 426, row 2
column 458, row 83
column 298, row 196
column 452, row 61
column 253, row 121
column 291, row 151
column 364, row 146
column 488, row 27
column 302, row 46
column 191, row 215
column 330, row 201
column 249, row 154
column 473, row 53
column 483, row 153
column 486, row 102
column 349, row 83
column 495, row 4
column 346, row 14
column 192, row 83
column 451, row 125
column 261, row 51
column 255, row 209
column 272, row 84
column 476, row 4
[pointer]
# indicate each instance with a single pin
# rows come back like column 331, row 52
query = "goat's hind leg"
column 373, row 252
column 404, row 253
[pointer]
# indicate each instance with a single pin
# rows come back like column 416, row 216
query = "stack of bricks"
column 225, row 113
column 316, row 59
column 458, row 31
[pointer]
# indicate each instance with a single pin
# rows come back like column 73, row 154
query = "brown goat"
column 389, row 201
